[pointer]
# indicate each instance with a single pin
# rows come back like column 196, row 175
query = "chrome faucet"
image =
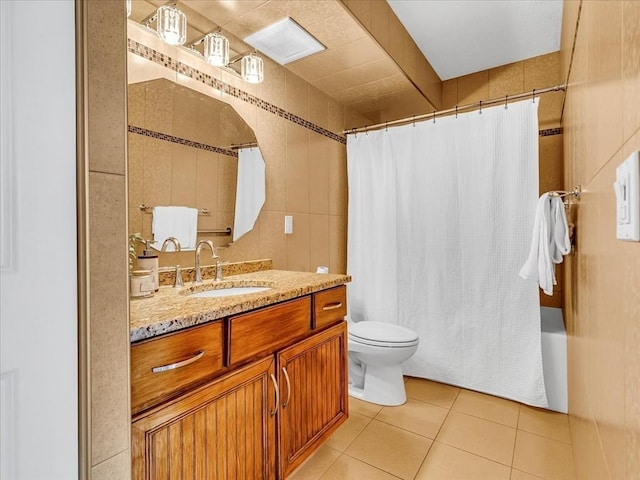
column 176, row 244
column 214, row 255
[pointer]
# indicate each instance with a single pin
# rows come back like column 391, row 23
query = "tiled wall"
column 383, row 25
column 537, row 72
column 601, row 127
column 108, row 294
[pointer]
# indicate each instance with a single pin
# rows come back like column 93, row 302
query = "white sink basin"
column 227, row 292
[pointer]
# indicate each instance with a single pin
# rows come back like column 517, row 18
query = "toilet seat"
column 380, row 334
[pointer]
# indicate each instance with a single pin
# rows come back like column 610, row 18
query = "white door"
column 38, row 286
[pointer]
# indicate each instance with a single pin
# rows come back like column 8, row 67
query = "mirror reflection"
column 183, row 152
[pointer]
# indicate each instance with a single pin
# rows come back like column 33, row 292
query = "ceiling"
column 456, row 37
column 459, row 37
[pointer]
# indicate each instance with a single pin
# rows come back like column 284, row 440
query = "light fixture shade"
column 216, row 49
column 128, row 2
column 252, row 68
column 172, row 25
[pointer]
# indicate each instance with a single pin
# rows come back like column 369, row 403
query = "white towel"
column 549, row 242
column 178, row 222
column 250, row 190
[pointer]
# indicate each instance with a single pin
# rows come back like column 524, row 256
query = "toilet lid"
column 382, row 334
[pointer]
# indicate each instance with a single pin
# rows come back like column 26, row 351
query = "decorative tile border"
column 161, row 59
column 181, row 141
column 550, row 131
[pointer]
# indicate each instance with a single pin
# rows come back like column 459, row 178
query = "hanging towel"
column 250, row 190
column 549, row 242
column 178, row 222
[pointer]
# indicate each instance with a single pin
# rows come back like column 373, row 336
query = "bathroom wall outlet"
column 288, row 224
column 627, row 189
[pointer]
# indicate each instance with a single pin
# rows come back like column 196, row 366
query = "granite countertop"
column 170, row 309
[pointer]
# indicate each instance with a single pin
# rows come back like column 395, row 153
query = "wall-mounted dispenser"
column 627, row 188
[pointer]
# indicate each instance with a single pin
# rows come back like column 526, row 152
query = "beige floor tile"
column 546, row 423
column 348, row 468
column 367, row 409
column 448, row 463
column 518, row 475
column 477, row 435
column 432, row 392
column 488, row 407
column 347, row 432
column 316, row 465
column 391, row 449
column 418, row 417
column 543, row 457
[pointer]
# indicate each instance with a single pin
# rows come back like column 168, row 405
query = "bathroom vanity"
column 239, row 386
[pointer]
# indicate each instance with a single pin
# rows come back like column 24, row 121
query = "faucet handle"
column 219, row 273
column 178, row 281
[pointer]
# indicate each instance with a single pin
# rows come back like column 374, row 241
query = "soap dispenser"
column 149, row 261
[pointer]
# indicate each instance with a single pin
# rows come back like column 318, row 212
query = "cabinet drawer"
column 164, row 366
column 267, row 329
column 329, row 306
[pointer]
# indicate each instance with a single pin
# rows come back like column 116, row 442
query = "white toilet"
column 376, row 352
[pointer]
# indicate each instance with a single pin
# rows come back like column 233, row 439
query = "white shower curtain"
column 440, row 219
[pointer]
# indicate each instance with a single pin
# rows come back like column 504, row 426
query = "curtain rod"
column 243, row 145
column 457, row 109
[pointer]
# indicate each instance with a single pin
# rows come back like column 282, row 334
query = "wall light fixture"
column 252, row 68
column 216, row 49
column 171, row 24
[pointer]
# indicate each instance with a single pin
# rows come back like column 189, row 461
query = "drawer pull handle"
column 286, row 376
column 183, row 363
column 275, row 386
column 332, row 306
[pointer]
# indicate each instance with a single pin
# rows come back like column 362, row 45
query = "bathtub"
column 554, row 358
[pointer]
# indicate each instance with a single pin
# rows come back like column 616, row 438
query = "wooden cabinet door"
column 312, row 375
column 223, row 430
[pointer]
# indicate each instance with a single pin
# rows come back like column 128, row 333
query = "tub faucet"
column 214, row 255
column 176, row 245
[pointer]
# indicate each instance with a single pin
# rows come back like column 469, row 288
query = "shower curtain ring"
column 434, row 116
column 505, row 102
column 386, row 126
column 533, row 96
column 480, row 107
column 456, row 111
column 414, row 120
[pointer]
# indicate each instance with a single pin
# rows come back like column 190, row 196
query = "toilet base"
column 383, row 385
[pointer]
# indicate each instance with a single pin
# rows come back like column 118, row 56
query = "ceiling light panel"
column 284, row 41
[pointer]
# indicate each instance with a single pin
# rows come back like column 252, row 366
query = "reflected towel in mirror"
column 174, row 221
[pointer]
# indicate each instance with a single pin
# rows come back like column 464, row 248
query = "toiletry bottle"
column 149, row 261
